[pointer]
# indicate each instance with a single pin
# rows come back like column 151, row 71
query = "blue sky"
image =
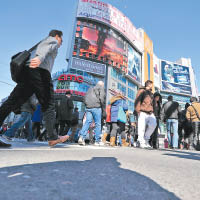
column 173, row 26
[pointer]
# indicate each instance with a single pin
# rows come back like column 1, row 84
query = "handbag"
column 18, row 63
column 121, row 114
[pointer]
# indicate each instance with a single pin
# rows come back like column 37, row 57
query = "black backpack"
column 18, row 64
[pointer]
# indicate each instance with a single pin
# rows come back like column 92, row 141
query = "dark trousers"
column 36, row 81
column 195, row 137
column 64, row 126
column 36, row 129
column 118, row 127
column 154, row 136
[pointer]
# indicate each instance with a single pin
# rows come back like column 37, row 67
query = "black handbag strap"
column 197, row 114
column 32, row 48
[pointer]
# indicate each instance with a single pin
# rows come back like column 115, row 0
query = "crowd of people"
column 102, row 125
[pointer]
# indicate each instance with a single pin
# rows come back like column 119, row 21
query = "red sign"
column 73, row 92
column 70, row 77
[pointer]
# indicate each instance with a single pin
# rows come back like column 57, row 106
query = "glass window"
column 131, row 94
column 130, row 106
column 121, row 88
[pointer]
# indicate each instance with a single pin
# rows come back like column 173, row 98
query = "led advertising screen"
column 99, row 42
column 134, row 64
column 106, row 13
column 175, row 78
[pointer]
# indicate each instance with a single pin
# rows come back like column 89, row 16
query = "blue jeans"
column 25, row 119
column 92, row 113
column 172, row 132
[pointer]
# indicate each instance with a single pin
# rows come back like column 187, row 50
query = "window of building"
column 131, row 94
column 121, row 88
column 130, row 106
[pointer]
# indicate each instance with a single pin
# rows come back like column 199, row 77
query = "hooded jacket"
column 116, row 102
column 95, row 97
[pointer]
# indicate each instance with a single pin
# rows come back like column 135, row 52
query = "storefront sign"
column 88, row 66
column 70, row 77
column 73, row 92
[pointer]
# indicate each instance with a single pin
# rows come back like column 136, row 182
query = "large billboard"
column 175, row 78
column 106, row 13
column 134, row 64
column 148, row 58
column 98, row 42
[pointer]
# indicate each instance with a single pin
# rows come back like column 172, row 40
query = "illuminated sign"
column 73, row 92
column 70, row 77
column 109, row 15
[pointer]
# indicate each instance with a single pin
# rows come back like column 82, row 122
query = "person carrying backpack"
column 37, row 79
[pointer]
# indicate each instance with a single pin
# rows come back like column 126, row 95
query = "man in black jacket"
column 170, row 113
column 65, row 113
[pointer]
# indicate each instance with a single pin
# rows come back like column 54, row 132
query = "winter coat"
column 30, row 105
column 116, row 102
column 65, row 109
column 144, row 101
column 170, row 110
column 95, row 97
column 191, row 114
column 75, row 118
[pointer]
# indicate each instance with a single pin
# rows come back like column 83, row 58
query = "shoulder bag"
column 18, row 63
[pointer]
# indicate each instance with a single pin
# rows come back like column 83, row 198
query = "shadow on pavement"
column 182, row 154
column 100, row 178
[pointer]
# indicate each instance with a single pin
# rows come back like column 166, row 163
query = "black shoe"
column 4, row 145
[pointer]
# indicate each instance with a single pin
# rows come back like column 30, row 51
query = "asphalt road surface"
column 34, row 171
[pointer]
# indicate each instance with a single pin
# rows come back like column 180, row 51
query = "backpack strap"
column 197, row 114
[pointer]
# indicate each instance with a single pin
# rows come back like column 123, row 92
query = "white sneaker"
column 81, row 141
column 143, row 146
column 147, row 144
column 99, row 144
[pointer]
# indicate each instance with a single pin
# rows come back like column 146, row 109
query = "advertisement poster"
column 156, row 70
column 148, row 58
column 101, row 43
column 134, row 64
column 108, row 14
column 175, row 78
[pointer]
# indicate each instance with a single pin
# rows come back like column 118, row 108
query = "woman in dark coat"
column 157, row 102
column 65, row 113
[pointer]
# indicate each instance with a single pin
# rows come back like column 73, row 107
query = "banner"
column 175, row 78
